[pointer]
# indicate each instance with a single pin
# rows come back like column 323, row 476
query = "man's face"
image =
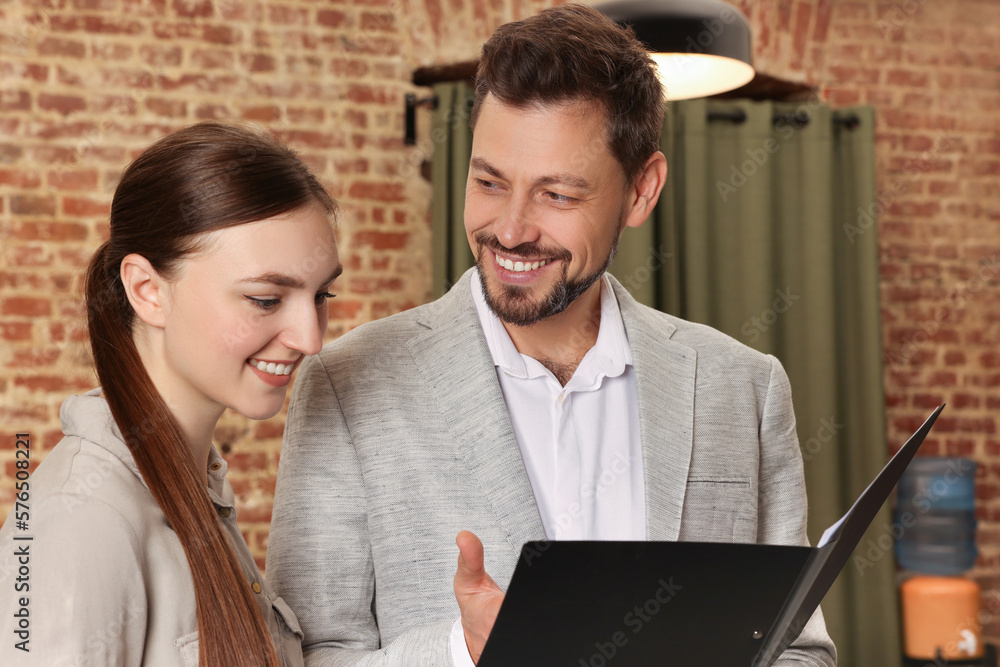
column 545, row 204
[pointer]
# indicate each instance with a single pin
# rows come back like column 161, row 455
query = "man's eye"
column 558, row 198
column 486, row 185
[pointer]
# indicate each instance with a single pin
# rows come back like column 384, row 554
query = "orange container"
column 941, row 614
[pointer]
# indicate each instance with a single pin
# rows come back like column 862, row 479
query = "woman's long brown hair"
column 205, row 177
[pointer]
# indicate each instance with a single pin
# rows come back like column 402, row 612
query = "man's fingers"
column 470, row 558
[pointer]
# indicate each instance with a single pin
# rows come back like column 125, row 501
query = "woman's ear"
column 145, row 288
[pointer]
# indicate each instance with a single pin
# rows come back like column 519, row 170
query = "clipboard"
column 686, row 604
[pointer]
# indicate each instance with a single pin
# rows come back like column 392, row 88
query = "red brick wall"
column 86, row 83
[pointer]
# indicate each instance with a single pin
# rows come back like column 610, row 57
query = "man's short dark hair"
column 573, row 52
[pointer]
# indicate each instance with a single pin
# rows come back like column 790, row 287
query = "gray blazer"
column 398, row 438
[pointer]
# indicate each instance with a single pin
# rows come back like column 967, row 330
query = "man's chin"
column 519, row 305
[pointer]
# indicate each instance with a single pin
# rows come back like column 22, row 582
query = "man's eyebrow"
column 281, row 280
column 482, row 165
column 561, row 178
column 564, row 179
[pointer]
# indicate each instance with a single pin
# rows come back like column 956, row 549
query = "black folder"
column 682, row 604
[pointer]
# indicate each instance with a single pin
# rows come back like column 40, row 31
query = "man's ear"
column 145, row 288
column 645, row 190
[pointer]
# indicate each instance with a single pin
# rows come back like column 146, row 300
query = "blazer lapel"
column 665, row 384
column 456, row 365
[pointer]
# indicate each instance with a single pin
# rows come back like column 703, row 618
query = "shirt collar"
column 89, row 416
column 609, row 356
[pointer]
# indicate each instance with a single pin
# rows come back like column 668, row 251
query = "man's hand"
column 478, row 595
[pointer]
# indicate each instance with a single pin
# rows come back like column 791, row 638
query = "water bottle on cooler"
column 935, row 521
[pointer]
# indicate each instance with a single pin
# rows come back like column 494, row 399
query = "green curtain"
column 762, row 232
column 452, row 137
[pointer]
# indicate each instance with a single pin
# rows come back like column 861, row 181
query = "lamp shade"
column 701, row 47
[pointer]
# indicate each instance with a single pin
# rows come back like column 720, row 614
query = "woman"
column 211, row 289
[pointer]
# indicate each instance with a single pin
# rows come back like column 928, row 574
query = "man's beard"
column 512, row 304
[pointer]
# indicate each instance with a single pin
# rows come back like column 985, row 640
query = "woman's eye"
column 264, row 304
column 323, row 296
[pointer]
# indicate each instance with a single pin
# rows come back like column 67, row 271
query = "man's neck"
column 561, row 341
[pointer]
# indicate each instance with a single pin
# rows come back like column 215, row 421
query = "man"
column 536, row 399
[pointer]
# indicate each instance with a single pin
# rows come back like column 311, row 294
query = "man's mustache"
column 528, row 251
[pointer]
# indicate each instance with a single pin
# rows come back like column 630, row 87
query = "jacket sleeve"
column 319, row 557
column 81, row 578
column 783, row 507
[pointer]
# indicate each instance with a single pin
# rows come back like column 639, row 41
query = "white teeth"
column 519, row 267
column 272, row 368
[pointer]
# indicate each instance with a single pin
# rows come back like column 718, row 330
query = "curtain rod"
column 797, row 119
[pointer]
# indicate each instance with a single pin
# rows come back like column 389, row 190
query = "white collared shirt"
column 580, row 442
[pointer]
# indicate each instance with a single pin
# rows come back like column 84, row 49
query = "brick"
column 387, row 192
column 112, row 26
column 161, row 56
column 908, row 78
column 26, row 307
column 331, row 18
column 259, row 62
column 50, row 231
column 73, row 179
column 955, row 358
column 170, row 108
column 63, row 48
column 54, row 383
column 378, row 22
column 282, row 15
column 261, row 113
column 10, row 153
column 44, row 205
column 212, row 59
column 15, row 100
column 85, row 207
column 20, row 178
column 218, row 34
column 375, row 285
column 15, row 331
column 212, row 112
column 381, row 240
column 191, row 9
column 110, row 51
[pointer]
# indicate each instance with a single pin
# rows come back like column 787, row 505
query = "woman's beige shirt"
column 95, row 576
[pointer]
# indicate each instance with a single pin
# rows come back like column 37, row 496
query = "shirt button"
column 224, row 512
column 256, row 587
column 215, row 466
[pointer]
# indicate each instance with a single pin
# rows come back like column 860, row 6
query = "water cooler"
column 935, row 524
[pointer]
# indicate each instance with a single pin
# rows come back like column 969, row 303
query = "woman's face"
column 243, row 311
